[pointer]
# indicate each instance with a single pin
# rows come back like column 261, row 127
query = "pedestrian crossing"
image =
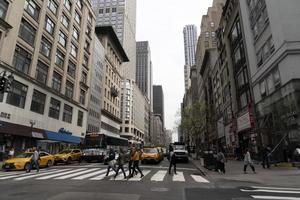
column 98, row 174
column 274, row 193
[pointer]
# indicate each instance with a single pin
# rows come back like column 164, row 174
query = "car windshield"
column 24, row 155
column 65, row 151
column 150, row 150
column 180, row 147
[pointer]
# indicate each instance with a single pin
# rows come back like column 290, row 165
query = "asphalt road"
column 87, row 181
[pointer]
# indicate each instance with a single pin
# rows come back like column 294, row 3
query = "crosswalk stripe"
column 89, row 175
column 120, row 176
column 24, row 174
column 37, row 174
column 199, row 179
column 18, row 172
column 60, row 174
column 272, row 191
column 274, row 197
column 100, row 177
column 76, row 174
column 275, row 188
column 145, row 172
column 159, row 175
column 178, row 177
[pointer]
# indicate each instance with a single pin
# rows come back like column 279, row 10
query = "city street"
column 88, row 181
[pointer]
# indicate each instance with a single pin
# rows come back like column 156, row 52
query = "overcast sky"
column 161, row 22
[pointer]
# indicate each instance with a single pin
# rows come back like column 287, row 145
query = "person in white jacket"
column 248, row 161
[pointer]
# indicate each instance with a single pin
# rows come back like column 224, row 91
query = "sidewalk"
column 281, row 176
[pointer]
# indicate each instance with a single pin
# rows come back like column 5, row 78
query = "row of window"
column 107, row 10
column 269, row 84
column 111, row 109
column 3, row 9
column 265, row 51
column 17, row 97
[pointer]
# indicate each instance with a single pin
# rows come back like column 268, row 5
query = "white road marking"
column 159, row 176
column 137, row 178
column 199, row 179
column 158, row 167
column 272, row 191
column 60, row 174
column 274, row 188
column 100, row 177
column 37, row 174
column 178, row 177
column 25, row 174
column 120, row 176
column 76, row 174
column 89, row 175
column 274, row 197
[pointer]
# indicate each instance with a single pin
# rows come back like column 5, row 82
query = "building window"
column 56, row 81
column 212, row 24
column 235, row 33
column 32, row 9
column 41, row 72
column 62, row 38
column 79, row 4
column 54, row 108
column 83, row 77
column 206, row 44
column 74, row 50
column 80, row 118
column 88, row 31
column 75, row 33
column 90, row 18
column 71, row 69
column 244, row 99
column 87, row 46
column 67, row 114
column 22, row 60
column 207, row 34
column 49, row 25
column 3, row 9
column 100, row 11
column 107, row 10
column 27, row 32
column 85, row 61
column 213, row 34
column 270, row 83
column 262, row 88
column 65, row 21
column 69, row 89
column 17, row 95
column 52, row 5
column 38, row 102
column 68, row 4
column 276, row 77
column 59, row 59
column 82, row 97
column 114, row 10
column 45, row 47
column 77, row 17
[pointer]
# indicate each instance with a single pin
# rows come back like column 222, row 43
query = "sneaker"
column 142, row 175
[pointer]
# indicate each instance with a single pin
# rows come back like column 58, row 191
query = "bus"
column 96, row 146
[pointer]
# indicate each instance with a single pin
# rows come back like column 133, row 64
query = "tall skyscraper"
column 144, row 69
column 158, row 101
column 190, row 43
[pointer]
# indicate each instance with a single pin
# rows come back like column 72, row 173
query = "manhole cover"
column 159, row 189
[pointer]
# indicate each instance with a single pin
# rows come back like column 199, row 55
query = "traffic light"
column 8, row 83
column 2, row 84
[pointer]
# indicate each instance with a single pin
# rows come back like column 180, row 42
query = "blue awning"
column 62, row 137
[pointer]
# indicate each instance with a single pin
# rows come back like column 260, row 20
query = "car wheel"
column 49, row 163
column 68, row 161
column 27, row 166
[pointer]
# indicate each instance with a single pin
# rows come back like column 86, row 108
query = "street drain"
column 159, row 189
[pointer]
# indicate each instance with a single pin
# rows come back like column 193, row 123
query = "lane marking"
column 89, row 175
column 274, row 197
column 76, row 174
column 275, row 188
column 37, row 174
column 159, row 175
column 158, row 167
column 145, row 172
column 199, row 179
column 102, row 176
column 178, row 177
column 25, row 174
column 60, row 174
column 272, row 191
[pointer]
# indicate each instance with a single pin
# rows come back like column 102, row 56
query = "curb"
column 199, row 168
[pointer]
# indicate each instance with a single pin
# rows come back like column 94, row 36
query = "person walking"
column 136, row 159
column 111, row 161
column 11, row 153
column 120, row 163
column 248, row 161
column 35, row 160
column 130, row 162
column 266, row 157
column 172, row 160
column 221, row 162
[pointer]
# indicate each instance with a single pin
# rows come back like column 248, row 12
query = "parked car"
column 67, row 156
column 22, row 161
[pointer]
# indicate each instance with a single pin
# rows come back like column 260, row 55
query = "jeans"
column 266, row 161
column 172, row 163
column 136, row 166
column 122, row 168
column 36, row 164
column 246, row 165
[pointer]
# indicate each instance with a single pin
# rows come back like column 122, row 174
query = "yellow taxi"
column 22, row 161
column 67, row 156
column 151, row 154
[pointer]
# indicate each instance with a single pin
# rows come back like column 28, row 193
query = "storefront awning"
column 62, row 137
